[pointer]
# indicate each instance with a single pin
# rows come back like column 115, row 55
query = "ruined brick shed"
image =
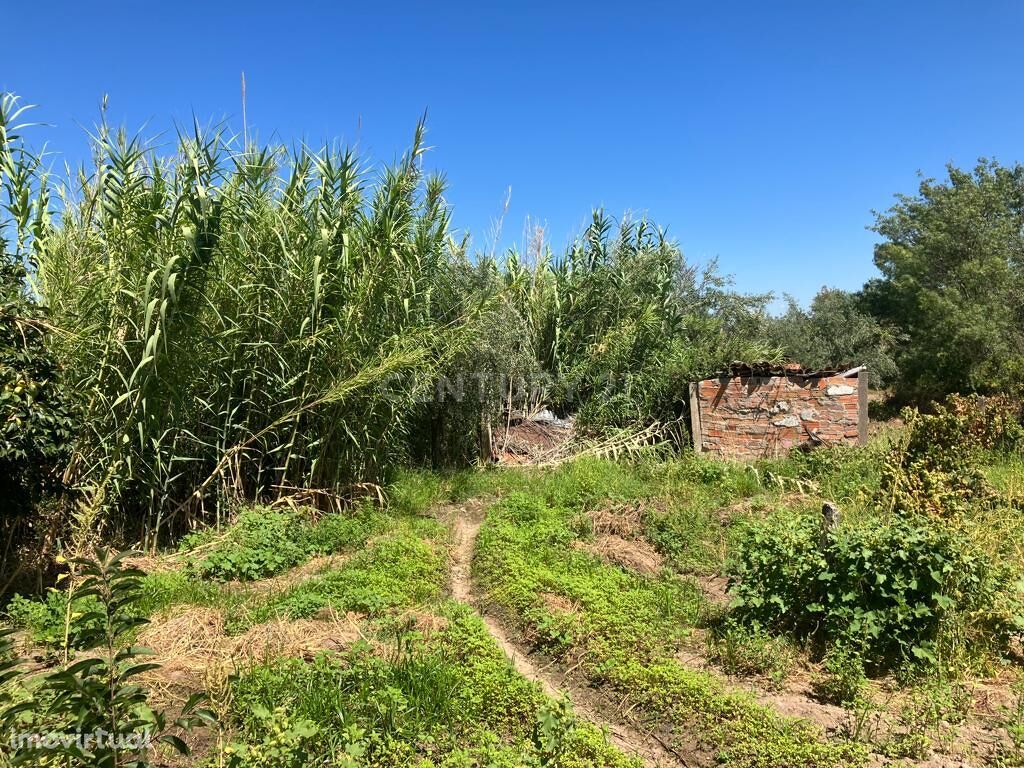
column 762, row 411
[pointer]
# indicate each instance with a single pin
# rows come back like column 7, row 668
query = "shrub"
column 936, row 470
column 35, row 420
column 889, row 588
column 283, row 744
column 100, row 693
column 46, row 620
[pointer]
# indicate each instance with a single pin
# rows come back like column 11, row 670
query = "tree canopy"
column 836, row 331
column 952, row 264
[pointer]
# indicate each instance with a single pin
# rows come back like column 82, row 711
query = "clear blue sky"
column 762, row 133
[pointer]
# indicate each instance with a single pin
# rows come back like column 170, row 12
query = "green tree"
column 952, row 264
column 35, row 422
column 622, row 322
column 837, row 331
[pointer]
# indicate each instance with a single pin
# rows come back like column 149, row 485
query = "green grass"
column 624, row 632
column 262, row 543
column 452, row 699
column 405, row 567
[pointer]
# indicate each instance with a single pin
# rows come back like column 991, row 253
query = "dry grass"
column 190, row 642
column 626, row 520
column 618, row 539
column 425, row 623
column 636, row 555
column 556, row 604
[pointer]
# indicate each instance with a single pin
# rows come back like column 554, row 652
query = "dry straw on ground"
column 618, row 540
column 189, row 642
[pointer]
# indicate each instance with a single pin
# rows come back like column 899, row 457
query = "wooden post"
column 829, row 522
column 698, row 436
column 486, row 440
column 863, row 382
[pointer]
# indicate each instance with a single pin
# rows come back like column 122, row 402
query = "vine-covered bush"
column 936, row 471
column 891, row 589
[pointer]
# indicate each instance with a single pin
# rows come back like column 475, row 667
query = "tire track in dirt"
column 465, row 523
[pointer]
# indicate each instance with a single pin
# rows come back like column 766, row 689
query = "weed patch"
column 264, row 542
column 751, row 652
column 451, row 699
column 48, row 621
column 400, row 569
column 626, row 632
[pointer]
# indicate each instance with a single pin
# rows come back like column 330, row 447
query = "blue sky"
column 761, row 133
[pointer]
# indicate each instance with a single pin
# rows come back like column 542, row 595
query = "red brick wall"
column 758, row 417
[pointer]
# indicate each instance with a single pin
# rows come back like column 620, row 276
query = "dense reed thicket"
column 231, row 321
column 235, row 315
column 621, row 323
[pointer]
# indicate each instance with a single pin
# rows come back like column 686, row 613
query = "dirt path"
column 588, row 705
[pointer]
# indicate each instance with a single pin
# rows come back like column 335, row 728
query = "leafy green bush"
column 35, row 420
column 47, row 619
column 283, row 742
column 887, row 587
column 837, row 331
column 892, row 585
